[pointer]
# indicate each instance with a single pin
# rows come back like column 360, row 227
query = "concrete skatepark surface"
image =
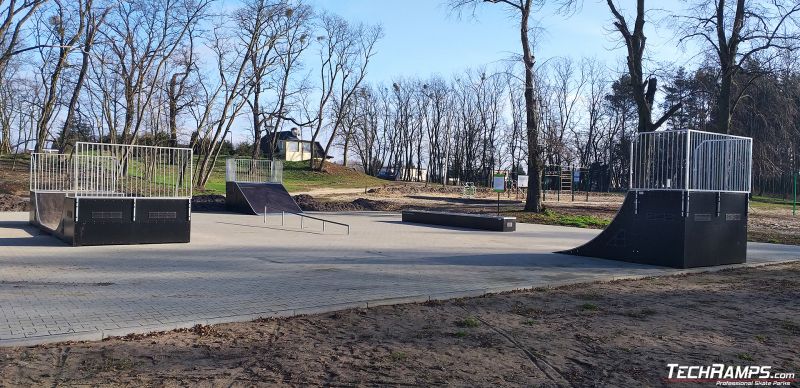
column 237, row 268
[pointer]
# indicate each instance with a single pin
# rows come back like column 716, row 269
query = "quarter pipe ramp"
column 674, row 229
column 258, row 198
column 47, row 210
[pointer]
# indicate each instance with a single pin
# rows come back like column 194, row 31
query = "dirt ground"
column 621, row 333
column 14, row 176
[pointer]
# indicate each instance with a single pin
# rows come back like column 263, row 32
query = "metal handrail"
column 304, row 216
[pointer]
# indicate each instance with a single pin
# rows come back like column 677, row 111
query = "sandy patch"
column 605, row 334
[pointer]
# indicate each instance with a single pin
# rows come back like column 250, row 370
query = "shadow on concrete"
column 307, row 230
column 456, row 228
column 35, row 237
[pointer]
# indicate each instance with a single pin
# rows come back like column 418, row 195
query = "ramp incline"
column 256, row 198
column 49, row 209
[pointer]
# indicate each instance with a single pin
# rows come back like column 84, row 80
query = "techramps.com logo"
column 730, row 375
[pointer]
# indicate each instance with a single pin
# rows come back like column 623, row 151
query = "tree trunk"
column 346, row 148
column 173, row 110
column 256, row 118
column 91, row 30
column 533, row 202
column 724, row 108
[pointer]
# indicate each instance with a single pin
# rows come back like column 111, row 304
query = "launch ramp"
column 255, row 187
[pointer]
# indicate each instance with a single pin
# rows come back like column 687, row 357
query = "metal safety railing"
column 134, row 170
column 115, row 170
column 253, row 171
column 50, row 172
column 691, row 161
column 95, row 176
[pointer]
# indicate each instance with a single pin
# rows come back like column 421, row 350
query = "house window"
column 307, row 147
column 292, row 146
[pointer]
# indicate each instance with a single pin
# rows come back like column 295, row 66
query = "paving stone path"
column 238, row 268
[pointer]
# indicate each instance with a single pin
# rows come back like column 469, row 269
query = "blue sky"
column 423, row 37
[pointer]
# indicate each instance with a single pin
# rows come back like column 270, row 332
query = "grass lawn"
column 549, row 217
column 770, row 202
column 298, row 177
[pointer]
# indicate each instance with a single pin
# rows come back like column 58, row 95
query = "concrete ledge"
column 469, row 221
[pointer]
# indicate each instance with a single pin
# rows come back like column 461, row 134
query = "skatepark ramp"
column 259, row 198
column 255, row 187
column 47, row 210
column 687, row 203
column 106, row 194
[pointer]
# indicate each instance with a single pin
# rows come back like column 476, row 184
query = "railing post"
column 75, row 178
column 630, row 162
column 686, row 184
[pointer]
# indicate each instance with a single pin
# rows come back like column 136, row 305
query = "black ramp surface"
column 49, row 208
column 653, row 227
column 659, row 242
column 256, row 198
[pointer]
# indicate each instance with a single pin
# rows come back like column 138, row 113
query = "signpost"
column 522, row 183
column 499, row 186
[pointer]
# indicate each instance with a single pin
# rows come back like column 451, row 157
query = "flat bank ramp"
column 258, row 198
column 49, row 209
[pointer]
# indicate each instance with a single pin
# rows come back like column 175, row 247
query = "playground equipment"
column 107, row 194
column 687, row 203
column 566, row 181
column 559, row 179
column 469, row 190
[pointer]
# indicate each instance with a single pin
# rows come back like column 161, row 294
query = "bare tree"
column 282, row 29
column 568, row 84
column 143, row 36
column 61, row 37
column 227, row 100
column 737, row 31
column 345, row 52
column 587, row 140
column 94, row 19
column 178, row 95
column 522, row 9
column 269, row 23
column 15, row 15
column 644, row 91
